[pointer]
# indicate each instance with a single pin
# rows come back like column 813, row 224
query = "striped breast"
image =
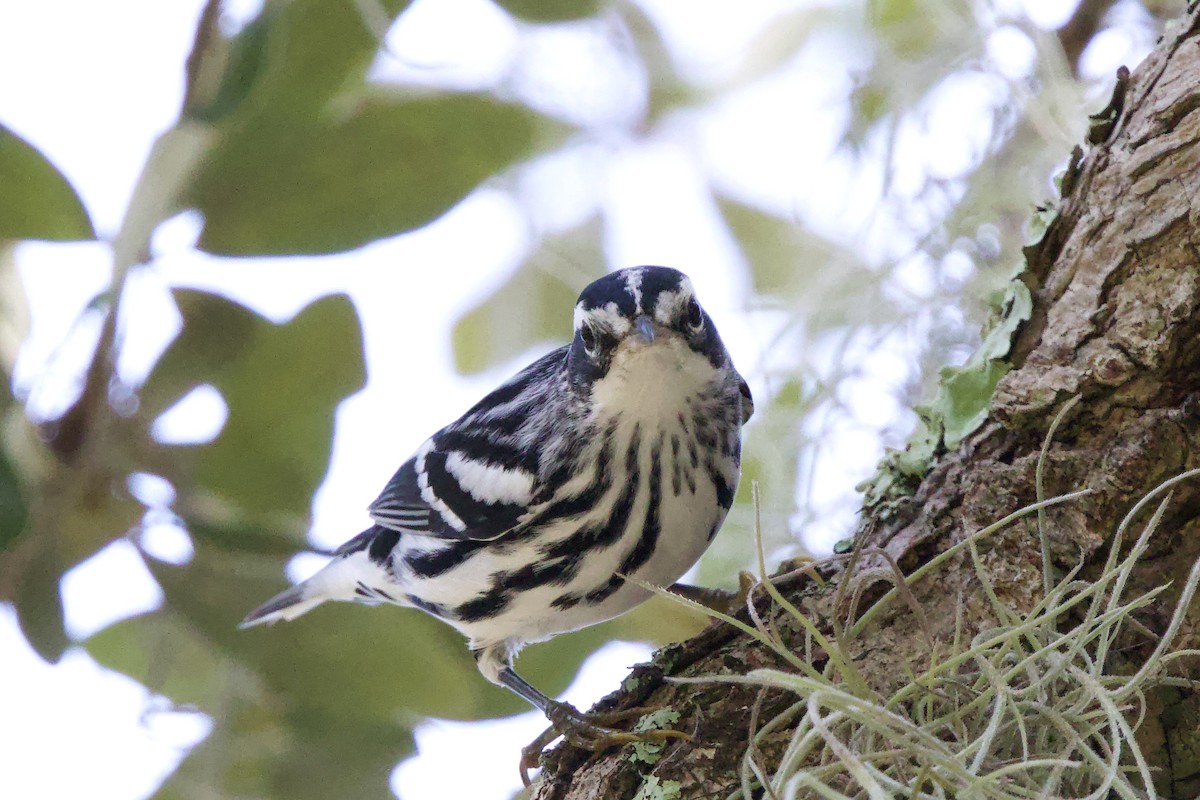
column 649, row 485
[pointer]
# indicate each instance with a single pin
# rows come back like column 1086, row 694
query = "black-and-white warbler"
column 617, row 455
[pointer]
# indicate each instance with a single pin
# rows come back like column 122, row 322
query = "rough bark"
column 1116, row 287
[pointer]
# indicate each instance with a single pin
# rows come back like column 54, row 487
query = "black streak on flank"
column 536, row 574
column 606, row 589
column 434, row 563
column 594, row 536
column 424, row 605
column 724, row 490
column 566, row 601
column 705, row 435
column 676, row 466
column 586, row 500
column 485, row 606
column 651, row 526
column 372, row 593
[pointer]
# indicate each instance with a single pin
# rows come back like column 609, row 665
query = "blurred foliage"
column 312, row 159
column 527, row 310
column 13, row 512
column 275, row 186
column 550, row 10
column 307, row 365
column 46, row 207
column 301, row 154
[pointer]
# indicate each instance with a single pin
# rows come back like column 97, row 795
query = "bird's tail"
column 350, row 576
column 283, row 607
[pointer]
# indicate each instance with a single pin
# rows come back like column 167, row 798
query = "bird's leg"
column 718, row 599
column 586, row 731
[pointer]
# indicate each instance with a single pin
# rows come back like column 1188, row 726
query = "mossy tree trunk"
column 1115, row 283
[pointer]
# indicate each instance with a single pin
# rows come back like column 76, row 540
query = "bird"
column 601, row 469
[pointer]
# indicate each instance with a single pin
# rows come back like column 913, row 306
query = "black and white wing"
column 478, row 476
column 747, row 399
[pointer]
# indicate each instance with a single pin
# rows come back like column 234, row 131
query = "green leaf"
column 215, row 332
column 784, row 258
column 870, row 103
column 281, row 383
column 13, row 511
column 160, row 651
column 310, row 159
column 532, row 307
column 908, row 25
column 295, row 57
column 822, row 282
column 79, row 513
column 333, row 758
column 264, row 743
column 39, row 603
column 322, row 185
column 668, row 90
column 242, row 61
column 257, row 539
column 37, row 202
column 550, row 10
column 281, row 392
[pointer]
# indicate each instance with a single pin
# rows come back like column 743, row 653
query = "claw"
column 590, row 732
column 722, row 600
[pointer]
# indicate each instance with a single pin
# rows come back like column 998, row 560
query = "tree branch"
column 1077, row 32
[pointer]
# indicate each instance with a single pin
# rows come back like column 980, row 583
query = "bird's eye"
column 694, row 317
column 587, row 335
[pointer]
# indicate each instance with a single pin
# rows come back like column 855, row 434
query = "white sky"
column 91, row 84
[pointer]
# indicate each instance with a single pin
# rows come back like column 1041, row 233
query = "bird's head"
column 640, row 310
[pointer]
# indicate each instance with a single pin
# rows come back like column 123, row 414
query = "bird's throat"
column 652, row 382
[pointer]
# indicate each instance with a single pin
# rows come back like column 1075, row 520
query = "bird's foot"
column 721, row 600
column 590, row 732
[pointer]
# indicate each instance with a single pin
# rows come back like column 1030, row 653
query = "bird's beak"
column 644, row 326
